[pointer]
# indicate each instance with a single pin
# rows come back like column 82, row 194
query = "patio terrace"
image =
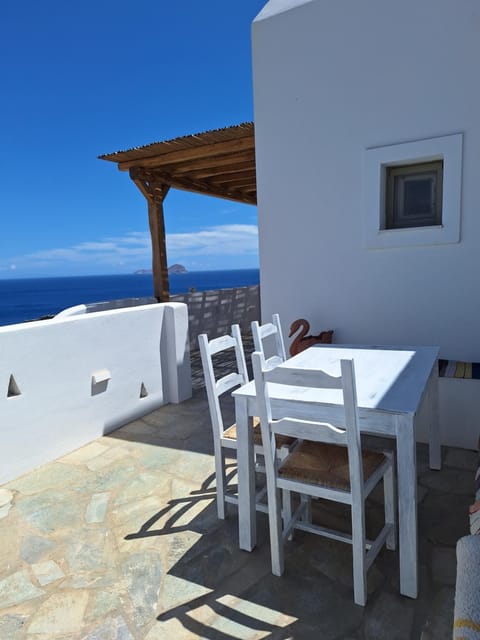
column 119, row 540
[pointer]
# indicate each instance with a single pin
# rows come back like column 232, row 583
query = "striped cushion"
column 459, row 369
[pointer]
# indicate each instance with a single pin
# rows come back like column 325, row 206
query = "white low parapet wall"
column 459, row 401
column 213, row 312
column 459, row 408
column 71, row 379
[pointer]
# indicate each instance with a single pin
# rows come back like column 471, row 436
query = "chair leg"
column 221, row 481
column 275, row 525
column 286, row 497
column 287, row 510
column 359, row 554
column 390, row 510
column 306, row 501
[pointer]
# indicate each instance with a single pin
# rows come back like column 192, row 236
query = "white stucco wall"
column 331, row 79
column 79, row 377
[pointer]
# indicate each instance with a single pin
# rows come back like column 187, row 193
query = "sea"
column 31, row 298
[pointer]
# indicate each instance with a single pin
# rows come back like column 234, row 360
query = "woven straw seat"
column 231, row 434
column 326, row 465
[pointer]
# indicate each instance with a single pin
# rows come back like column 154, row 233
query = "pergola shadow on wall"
column 219, row 163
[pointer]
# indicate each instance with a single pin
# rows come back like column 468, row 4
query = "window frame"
column 448, row 148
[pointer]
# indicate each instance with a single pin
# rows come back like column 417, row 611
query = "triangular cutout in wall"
column 143, row 391
column 13, row 389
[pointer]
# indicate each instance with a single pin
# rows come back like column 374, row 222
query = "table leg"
column 435, row 449
column 407, row 506
column 247, row 522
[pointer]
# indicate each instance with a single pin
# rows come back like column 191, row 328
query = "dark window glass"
column 414, row 195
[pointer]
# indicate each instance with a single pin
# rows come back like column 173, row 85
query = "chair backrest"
column 304, row 408
column 262, row 331
column 228, row 380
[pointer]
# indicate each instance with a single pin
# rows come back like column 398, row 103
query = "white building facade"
column 341, row 88
column 343, row 92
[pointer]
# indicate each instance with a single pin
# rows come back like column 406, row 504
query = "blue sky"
column 82, row 79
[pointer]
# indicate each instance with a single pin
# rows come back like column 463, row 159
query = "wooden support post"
column 159, row 251
column 155, row 192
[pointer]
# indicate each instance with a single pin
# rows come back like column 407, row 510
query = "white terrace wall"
column 69, row 380
column 333, row 79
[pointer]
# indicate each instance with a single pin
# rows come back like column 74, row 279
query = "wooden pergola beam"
column 211, row 150
column 247, row 157
column 220, row 170
column 205, row 188
column 233, row 178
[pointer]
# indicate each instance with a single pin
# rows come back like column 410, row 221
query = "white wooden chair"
column 327, row 463
column 261, row 332
column 226, row 437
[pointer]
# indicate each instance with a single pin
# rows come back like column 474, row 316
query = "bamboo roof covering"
column 219, row 163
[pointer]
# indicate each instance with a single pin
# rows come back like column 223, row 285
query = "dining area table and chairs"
column 325, row 401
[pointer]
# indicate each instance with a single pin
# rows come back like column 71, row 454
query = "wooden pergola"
column 218, row 163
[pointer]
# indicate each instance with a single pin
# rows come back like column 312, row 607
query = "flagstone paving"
column 120, row 541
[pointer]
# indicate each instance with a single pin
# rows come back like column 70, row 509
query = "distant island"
column 175, row 268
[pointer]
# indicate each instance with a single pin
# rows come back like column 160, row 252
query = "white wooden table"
column 393, row 384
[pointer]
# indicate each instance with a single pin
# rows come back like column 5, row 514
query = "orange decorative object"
column 302, row 341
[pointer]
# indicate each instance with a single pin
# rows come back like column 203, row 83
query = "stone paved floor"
column 119, row 540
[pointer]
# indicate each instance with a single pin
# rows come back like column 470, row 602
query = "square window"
column 423, row 179
column 413, row 196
